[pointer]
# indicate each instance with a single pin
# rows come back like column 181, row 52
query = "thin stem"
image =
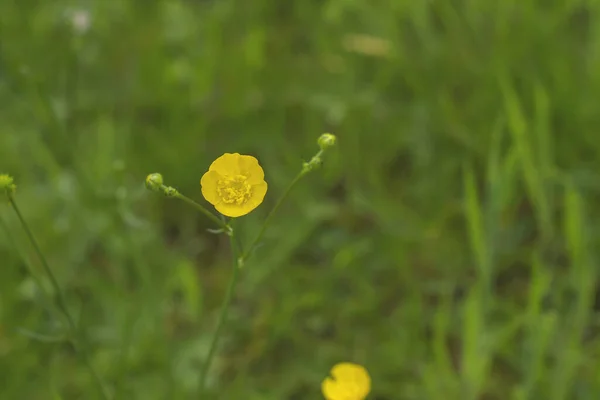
column 74, row 338
column 203, row 210
column 265, row 224
column 59, row 294
column 37, row 280
column 235, row 251
column 307, row 167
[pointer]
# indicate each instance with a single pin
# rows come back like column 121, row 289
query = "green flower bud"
column 313, row 164
column 154, row 182
column 170, row 191
column 326, row 140
column 7, row 185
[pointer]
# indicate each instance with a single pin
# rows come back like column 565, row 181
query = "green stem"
column 305, row 170
column 37, row 280
column 75, row 340
column 235, row 251
column 204, row 211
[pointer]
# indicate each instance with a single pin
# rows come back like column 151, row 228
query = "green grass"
column 449, row 243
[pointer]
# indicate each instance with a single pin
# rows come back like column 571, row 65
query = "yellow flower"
column 234, row 184
column 348, row 381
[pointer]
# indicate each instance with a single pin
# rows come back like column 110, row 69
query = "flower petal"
column 258, row 195
column 209, row 187
column 250, row 167
column 233, row 210
column 331, row 390
column 355, row 374
column 227, row 164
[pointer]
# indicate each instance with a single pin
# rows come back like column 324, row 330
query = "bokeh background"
column 449, row 243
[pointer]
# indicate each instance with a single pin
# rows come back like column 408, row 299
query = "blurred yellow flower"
column 234, row 184
column 348, row 381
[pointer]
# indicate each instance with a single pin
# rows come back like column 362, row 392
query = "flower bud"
column 313, row 164
column 326, row 140
column 7, row 184
column 154, row 182
column 170, row 191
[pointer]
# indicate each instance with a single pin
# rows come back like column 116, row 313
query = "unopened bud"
column 154, row 182
column 313, row 164
column 326, row 140
column 7, row 185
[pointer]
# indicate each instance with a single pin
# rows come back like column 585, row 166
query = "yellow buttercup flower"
column 234, row 184
column 348, row 381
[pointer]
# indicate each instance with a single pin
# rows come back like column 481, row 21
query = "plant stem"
column 306, row 168
column 36, row 279
column 204, row 211
column 235, row 251
column 75, row 339
column 265, row 224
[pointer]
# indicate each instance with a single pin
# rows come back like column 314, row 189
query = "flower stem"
column 235, row 251
column 204, row 211
column 265, row 224
column 309, row 166
column 36, row 279
column 74, row 338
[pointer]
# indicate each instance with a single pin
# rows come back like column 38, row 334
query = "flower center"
column 234, row 189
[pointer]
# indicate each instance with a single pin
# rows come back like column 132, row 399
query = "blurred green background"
column 449, row 243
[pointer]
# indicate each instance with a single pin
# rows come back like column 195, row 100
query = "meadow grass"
column 448, row 243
